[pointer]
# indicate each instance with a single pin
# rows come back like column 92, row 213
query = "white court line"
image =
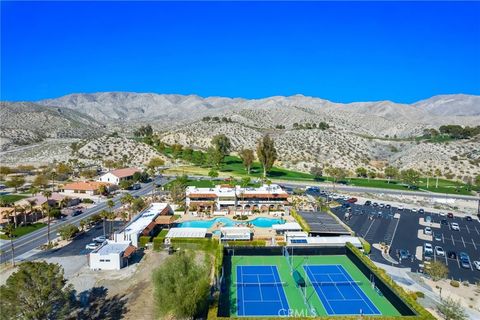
column 259, row 287
column 321, row 291
column 347, row 275
column 278, row 291
column 336, row 287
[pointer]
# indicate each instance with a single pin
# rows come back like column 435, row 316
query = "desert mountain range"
column 361, row 134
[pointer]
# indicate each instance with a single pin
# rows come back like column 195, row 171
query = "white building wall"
column 109, row 178
column 112, row 261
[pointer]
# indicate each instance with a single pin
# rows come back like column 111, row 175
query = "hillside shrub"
column 455, row 283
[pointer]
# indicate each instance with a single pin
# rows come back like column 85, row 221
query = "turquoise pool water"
column 257, row 222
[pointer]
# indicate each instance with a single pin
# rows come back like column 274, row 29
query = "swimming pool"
column 260, row 222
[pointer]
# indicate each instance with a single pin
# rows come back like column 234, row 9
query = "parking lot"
column 405, row 230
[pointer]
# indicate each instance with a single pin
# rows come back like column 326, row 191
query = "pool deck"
column 259, row 233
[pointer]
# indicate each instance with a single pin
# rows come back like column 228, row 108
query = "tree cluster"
column 144, row 131
column 322, row 126
column 217, row 119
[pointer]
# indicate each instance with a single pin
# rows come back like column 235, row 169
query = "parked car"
column 99, row 239
column 452, row 255
column 404, row 254
column 450, row 215
column 76, row 212
column 428, row 231
column 455, row 226
column 387, row 206
column 400, row 207
column 438, row 237
column 464, row 260
column 136, row 186
column 421, row 211
column 477, row 265
column 427, row 248
column 468, row 218
column 414, row 209
column 439, row 251
column 375, row 204
column 382, row 205
column 91, row 246
column 367, row 203
column 352, row 200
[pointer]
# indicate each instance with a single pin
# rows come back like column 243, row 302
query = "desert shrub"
column 455, row 283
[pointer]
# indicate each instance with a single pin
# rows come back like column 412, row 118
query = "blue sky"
column 340, row 51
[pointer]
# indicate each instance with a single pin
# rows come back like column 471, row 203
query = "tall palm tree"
column 111, row 217
column 48, row 211
column 127, row 199
column 31, row 205
column 8, row 230
column 104, row 215
column 16, row 208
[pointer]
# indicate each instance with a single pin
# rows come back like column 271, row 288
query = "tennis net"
column 335, row 283
column 261, row 284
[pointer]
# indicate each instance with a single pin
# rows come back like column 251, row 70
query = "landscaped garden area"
column 11, row 198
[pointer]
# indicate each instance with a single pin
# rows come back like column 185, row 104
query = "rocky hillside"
column 23, row 123
column 368, row 134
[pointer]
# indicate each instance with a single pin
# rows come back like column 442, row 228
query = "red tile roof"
column 125, row 172
column 84, row 185
column 129, row 251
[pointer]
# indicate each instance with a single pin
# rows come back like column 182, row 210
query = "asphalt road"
column 37, row 238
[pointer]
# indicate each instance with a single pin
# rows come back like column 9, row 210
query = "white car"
column 100, row 239
column 91, row 246
column 455, row 226
column 439, row 251
column 413, row 210
column 428, row 231
column 476, row 264
column 427, row 248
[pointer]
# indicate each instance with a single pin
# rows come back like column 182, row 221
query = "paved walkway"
column 403, row 277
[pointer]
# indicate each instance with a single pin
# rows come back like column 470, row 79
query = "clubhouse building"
column 228, row 199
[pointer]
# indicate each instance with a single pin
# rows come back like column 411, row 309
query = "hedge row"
column 144, row 240
column 252, row 243
column 300, row 220
column 366, row 246
column 159, row 239
column 407, row 298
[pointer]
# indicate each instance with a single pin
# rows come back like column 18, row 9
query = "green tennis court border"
column 387, row 301
column 294, row 295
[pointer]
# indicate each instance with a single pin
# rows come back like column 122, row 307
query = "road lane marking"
column 473, row 242
column 477, row 230
column 463, row 242
column 468, row 230
column 453, row 240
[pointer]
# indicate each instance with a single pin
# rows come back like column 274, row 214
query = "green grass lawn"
column 235, row 166
column 23, row 230
column 11, row 198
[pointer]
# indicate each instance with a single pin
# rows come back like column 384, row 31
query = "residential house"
column 118, row 175
column 90, row 188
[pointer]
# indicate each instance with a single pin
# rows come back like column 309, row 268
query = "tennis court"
column 266, row 286
column 260, row 291
column 339, row 292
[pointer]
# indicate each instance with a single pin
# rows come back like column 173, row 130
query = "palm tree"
column 123, row 215
column 48, row 212
column 8, row 230
column 104, row 214
column 111, row 216
column 127, row 199
column 31, row 205
column 82, row 224
column 16, row 208
column 34, row 191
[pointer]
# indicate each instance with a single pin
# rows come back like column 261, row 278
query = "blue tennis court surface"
column 260, row 291
column 339, row 293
